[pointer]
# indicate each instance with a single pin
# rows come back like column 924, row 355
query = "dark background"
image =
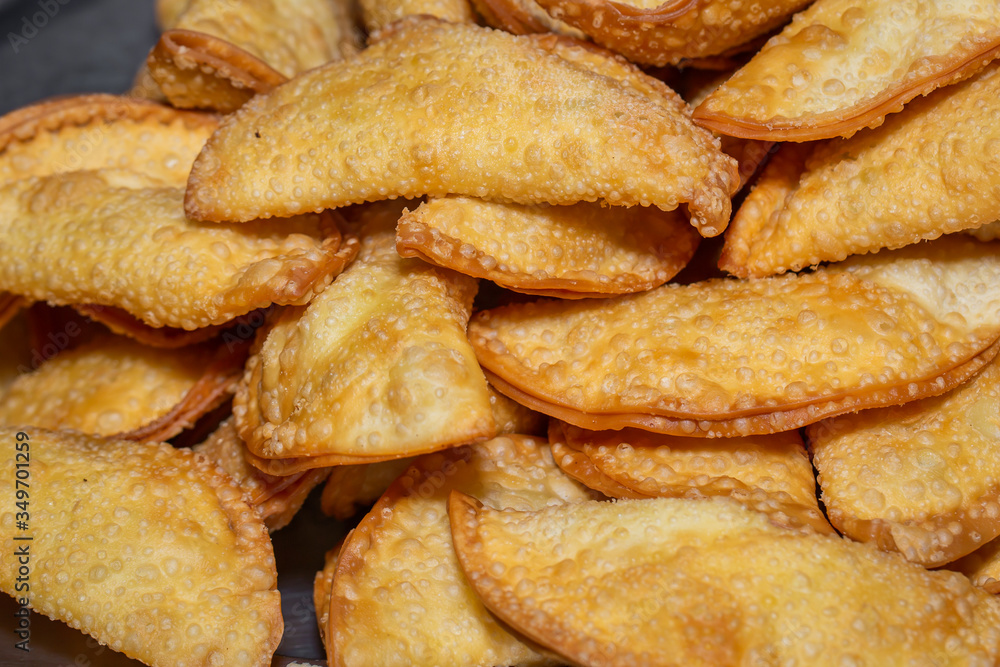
column 85, row 46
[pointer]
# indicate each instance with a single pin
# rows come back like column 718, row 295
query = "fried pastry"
column 376, row 367
column 749, row 153
column 168, row 11
column 842, row 65
column 578, row 465
column 102, row 132
column 670, row 581
column 124, row 242
column 121, row 322
column 988, row 232
column 767, row 473
column 523, row 17
column 722, row 358
column 378, row 14
column 350, row 488
column 535, row 128
column 147, row 548
column 565, row 251
column 322, row 585
column 278, row 499
column 930, row 170
column 217, row 54
column 664, row 33
column 512, row 417
column 353, row 487
column 922, row 478
column 982, row 566
column 378, row 617
column 114, row 386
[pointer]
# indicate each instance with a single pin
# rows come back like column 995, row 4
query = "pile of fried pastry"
column 632, row 376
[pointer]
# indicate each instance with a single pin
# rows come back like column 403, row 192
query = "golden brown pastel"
column 766, row 473
column 670, row 581
column 353, row 487
column 124, row 242
column 322, row 585
column 168, row 11
column 930, row 170
column 431, row 616
column 655, row 32
column 988, row 232
column 842, row 65
column 114, row 386
column 376, row 367
column 102, row 132
column 147, row 548
column 219, row 53
column 722, row 358
column 982, row 566
column 535, row 129
column 922, row 478
column 522, row 17
column 566, row 251
column 350, row 488
column 277, row 499
column 578, row 465
column 377, row 14
column 121, row 322
column 512, row 417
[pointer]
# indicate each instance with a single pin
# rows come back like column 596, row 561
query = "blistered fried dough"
column 566, row 251
column 277, row 499
column 376, row 367
column 670, row 581
column 664, row 33
column 144, row 86
column 219, row 53
column 102, row 131
column 322, row 585
column 523, row 17
column 982, row 566
column 578, row 465
column 194, row 70
column 535, row 128
column 722, row 358
column 165, row 561
column 349, row 488
column 767, row 473
column 377, row 14
column 512, row 417
column 120, row 322
column 928, row 171
column 124, row 242
column 988, row 232
column 114, row 386
column 749, row 153
column 842, row 65
column 920, row 478
column 353, row 487
column 431, row 616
